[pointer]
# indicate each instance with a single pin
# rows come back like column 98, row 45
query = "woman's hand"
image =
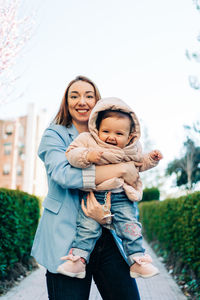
column 126, row 170
column 94, row 209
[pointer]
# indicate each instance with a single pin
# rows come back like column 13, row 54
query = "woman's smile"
column 82, row 111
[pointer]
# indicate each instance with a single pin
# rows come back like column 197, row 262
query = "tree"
column 187, row 168
column 197, row 4
column 194, row 129
column 15, row 31
column 193, row 80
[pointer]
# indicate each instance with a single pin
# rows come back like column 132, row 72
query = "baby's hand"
column 156, row 155
column 94, row 156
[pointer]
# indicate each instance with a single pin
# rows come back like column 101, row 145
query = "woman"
column 57, row 226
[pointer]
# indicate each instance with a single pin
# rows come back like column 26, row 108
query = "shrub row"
column 150, row 194
column 175, row 225
column 19, row 215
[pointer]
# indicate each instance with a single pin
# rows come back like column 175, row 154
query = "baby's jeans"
column 124, row 222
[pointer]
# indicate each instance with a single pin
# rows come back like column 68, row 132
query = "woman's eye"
column 90, row 96
column 73, row 97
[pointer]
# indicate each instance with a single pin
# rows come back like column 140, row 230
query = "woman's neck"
column 81, row 127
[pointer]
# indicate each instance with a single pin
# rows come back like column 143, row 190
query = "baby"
column 113, row 137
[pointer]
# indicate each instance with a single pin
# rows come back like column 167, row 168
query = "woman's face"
column 81, row 100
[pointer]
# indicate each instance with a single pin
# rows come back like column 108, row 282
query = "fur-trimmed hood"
column 112, row 103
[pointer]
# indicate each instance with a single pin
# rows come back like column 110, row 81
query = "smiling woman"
column 57, row 225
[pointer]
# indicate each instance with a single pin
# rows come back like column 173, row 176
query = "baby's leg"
column 87, row 233
column 126, row 225
column 129, row 230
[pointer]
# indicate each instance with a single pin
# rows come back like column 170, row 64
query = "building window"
column 6, row 169
column 9, row 129
column 20, row 148
column 7, row 148
column 19, row 170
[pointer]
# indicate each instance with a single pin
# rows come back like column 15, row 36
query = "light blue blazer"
column 57, row 226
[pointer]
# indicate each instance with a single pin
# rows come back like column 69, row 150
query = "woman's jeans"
column 109, row 270
column 125, row 224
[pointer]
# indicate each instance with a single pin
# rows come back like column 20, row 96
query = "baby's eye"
column 105, row 131
column 119, row 133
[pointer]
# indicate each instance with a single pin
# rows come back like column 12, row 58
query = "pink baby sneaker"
column 73, row 267
column 143, row 267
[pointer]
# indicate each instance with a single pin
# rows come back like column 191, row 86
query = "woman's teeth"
column 82, row 111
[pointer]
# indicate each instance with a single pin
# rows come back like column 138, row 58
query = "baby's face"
column 115, row 131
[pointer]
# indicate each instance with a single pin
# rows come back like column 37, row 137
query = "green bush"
column 150, row 194
column 19, row 215
column 175, row 224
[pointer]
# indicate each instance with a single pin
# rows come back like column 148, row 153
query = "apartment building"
column 20, row 168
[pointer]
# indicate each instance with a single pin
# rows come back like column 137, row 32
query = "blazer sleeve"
column 52, row 152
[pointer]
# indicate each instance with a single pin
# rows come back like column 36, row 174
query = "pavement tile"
column 161, row 287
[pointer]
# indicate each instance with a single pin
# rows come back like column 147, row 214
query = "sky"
column 134, row 50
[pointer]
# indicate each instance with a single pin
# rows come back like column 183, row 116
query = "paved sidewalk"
column 161, row 287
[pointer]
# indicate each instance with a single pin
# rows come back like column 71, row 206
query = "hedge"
column 19, row 215
column 175, row 224
column 150, row 194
